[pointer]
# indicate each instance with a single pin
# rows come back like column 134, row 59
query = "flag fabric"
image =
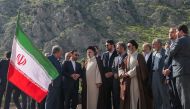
column 29, row 69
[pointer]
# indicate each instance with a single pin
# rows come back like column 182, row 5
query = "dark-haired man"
column 72, row 72
column 167, row 71
column 136, row 75
column 107, row 59
column 180, row 53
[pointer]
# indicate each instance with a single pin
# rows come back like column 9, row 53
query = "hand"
column 73, row 76
column 126, row 75
column 77, row 76
column 123, row 75
column 98, row 85
column 166, row 72
column 108, row 74
column 116, row 76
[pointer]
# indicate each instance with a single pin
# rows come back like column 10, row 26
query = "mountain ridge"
column 75, row 24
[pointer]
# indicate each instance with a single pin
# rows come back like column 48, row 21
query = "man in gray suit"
column 159, row 88
column 180, row 53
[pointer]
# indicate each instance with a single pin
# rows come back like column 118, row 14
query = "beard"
column 129, row 51
column 90, row 56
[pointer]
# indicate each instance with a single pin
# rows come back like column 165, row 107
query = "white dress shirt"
column 147, row 56
column 74, row 65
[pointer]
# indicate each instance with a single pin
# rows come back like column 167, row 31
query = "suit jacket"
column 107, row 63
column 180, row 52
column 68, row 70
column 57, row 65
column 168, row 65
column 4, row 64
column 149, row 63
column 116, row 65
column 149, row 68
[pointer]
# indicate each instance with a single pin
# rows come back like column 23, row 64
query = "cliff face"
column 79, row 23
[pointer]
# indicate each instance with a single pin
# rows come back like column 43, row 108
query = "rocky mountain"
column 79, row 23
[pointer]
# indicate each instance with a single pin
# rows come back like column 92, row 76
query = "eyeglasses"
column 106, row 45
column 128, row 46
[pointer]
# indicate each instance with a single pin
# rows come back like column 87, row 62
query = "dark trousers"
column 62, row 97
column 2, row 91
column 116, row 94
column 183, row 89
column 71, row 96
column 160, row 92
column 19, row 93
column 108, row 92
column 174, row 97
column 31, row 103
column 112, row 90
column 53, row 97
column 16, row 94
column 42, row 104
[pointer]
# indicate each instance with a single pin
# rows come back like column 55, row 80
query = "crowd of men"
column 156, row 78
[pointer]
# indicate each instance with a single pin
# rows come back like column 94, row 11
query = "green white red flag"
column 29, row 69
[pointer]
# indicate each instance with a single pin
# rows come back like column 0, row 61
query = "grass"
column 142, row 33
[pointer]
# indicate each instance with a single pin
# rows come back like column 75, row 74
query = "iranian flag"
column 29, row 69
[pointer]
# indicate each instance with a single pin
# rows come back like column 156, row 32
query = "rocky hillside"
column 79, row 23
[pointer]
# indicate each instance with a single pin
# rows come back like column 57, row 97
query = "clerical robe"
column 92, row 96
column 136, row 96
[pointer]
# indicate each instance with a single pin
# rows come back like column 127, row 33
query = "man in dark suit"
column 4, row 64
column 159, row 88
column 147, row 53
column 180, row 53
column 72, row 71
column 107, row 59
column 167, row 71
column 53, row 97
